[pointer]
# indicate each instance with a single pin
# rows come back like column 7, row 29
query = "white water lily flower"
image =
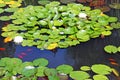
column 18, row 39
column 82, row 15
column 63, row 74
column 29, row 67
column 14, row 78
column 61, row 32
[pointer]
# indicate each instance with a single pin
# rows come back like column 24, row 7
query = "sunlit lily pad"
column 11, row 9
column 101, row 69
column 110, row 49
column 85, row 68
column 2, row 5
column 100, row 77
column 4, row 18
column 79, row 75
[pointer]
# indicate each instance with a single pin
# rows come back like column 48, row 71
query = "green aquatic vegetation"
column 79, row 75
column 66, row 69
column 55, row 25
column 100, row 77
column 11, row 68
column 101, row 69
column 111, row 49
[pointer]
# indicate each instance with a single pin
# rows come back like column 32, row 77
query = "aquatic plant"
column 112, row 49
column 55, row 25
column 15, row 69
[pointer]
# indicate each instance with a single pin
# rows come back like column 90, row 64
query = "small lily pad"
column 85, row 68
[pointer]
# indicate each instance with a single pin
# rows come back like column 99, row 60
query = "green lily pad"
column 119, row 49
column 66, row 69
column 85, row 68
column 40, row 71
column 106, row 33
column 79, row 75
column 110, row 49
column 101, row 69
column 1, row 10
column 2, row 5
column 100, row 77
column 11, row 9
column 4, row 18
column 40, row 62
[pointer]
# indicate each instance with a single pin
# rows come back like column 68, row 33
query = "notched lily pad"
column 110, row 49
column 4, row 18
column 101, row 69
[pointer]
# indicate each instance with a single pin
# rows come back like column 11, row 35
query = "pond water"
column 88, row 53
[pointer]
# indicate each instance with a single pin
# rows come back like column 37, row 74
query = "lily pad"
column 85, row 68
column 66, row 69
column 101, row 69
column 79, row 75
column 40, row 62
column 4, row 18
column 110, row 49
column 100, row 77
column 1, row 10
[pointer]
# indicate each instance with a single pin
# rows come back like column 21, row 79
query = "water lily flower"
column 29, row 67
column 14, row 78
column 61, row 32
column 82, row 15
column 53, row 27
column 18, row 39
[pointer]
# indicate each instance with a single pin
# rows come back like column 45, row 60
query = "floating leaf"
column 40, row 71
column 79, row 75
column 11, row 9
column 52, row 46
column 110, row 49
column 40, row 62
column 85, row 68
column 1, row 10
column 100, row 77
column 106, row 33
column 66, row 69
column 2, row 5
column 119, row 49
column 101, row 69
column 4, row 18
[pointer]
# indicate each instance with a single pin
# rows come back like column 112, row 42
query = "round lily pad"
column 79, row 75
column 101, row 69
column 100, row 77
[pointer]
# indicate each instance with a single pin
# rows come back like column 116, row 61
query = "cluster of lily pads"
column 112, row 49
column 15, row 69
column 55, row 25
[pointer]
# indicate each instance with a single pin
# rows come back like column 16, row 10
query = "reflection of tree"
column 92, row 52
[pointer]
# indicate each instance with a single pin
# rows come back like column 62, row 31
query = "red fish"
column 23, row 54
column 2, row 49
column 113, row 62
